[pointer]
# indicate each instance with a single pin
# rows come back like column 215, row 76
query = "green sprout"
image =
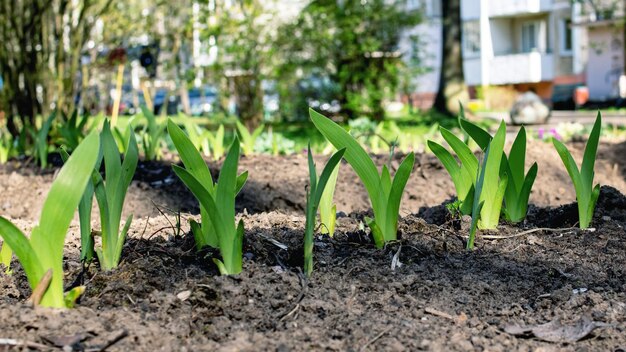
column 519, row 185
column 465, row 175
column 122, row 131
column 5, row 257
column 87, row 251
column 198, row 136
column 153, row 135
column 42, row 147
column 477, row 204
column 110, row 194
column 217, row 201
column 328, row 209
column 586, row 194
column 248, row 140
column 42, row 254
column 314, row 195
column 384, row 192
column 72, row 130
column 217, row 142
column 6, row 146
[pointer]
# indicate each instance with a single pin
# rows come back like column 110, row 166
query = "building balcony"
column 499, row 8
column 519, row 68
column 530, row 67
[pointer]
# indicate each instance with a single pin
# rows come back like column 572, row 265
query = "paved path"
column 584, row 117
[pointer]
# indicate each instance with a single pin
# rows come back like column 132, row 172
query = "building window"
column 413, row 4
column 566, row 36
column 435, row 9
column 530, row 32
column 471, row 37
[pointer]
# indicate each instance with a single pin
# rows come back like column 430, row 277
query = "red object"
column 581, row 95
column 117, row 56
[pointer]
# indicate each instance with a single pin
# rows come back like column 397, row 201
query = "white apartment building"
column 521, row 44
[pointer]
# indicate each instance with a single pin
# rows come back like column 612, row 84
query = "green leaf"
column 490, row 194
column 73, row 295
column 385, row 180
column 241, row 181
column 6, row 254
column 570, row 166
column 196, row 166
column 110, row 194
column 516, row 160
column 463, row 152
column 375, row 184
column 355, row 155
column 223, row 218
column 479, row 135
column 58, row 210
column 327, row 210
column 15, row 239
column 395, row 194
column 462, row 181
column 589, row 158
column 326, row 174
column 190, row 155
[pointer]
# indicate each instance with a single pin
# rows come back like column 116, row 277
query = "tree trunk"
column 249, row 99
column 452, row 88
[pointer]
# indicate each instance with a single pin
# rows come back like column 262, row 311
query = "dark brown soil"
column 441, row 298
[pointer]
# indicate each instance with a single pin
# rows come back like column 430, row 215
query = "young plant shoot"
column 465, row 175
column 328, row 209
column 586, row 194
column 518, row 186
column 42, row 254
column 385, row 194
column 204, row 233
column 42, row 145
column 87, row 251
column 217, row 201
column 110, row 194
column 152, row 135
column 477, row 204
column 217, row 142
column 314, row 195
column 248, row 140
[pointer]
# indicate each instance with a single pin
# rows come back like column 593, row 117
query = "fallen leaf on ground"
column 554, row 331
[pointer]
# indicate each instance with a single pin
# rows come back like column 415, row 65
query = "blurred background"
column 269, row 60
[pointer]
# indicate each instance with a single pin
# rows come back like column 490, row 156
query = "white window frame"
column 562, row 37
column 536, row 30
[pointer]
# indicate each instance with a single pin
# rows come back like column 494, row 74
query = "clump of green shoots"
column 152, row 135
column 384, row 192
column 217, row 142
column 586, row 194
column 110, row 193
column 198, row 136
column 465, row 175
column 519, row 185
column 248, row 140
column 41, row 256
column 314, row 195
column 72, row 130
column 217, row 200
